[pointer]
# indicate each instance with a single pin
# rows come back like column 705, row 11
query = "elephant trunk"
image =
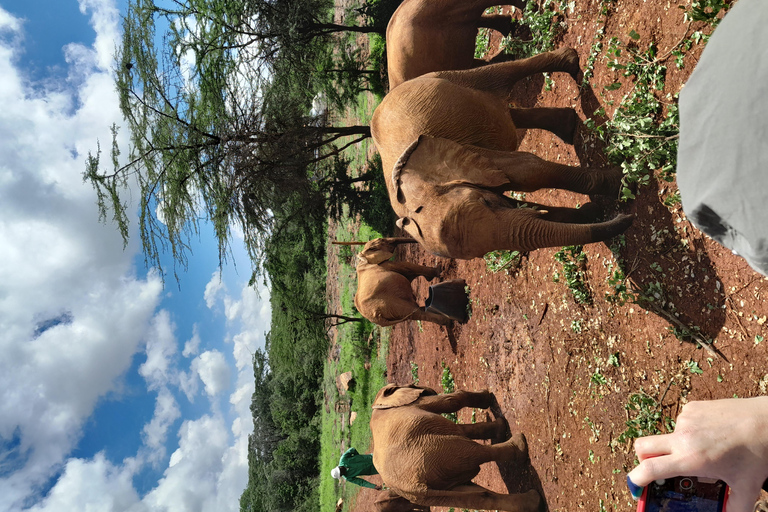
column 397, row 240
column 535, row 232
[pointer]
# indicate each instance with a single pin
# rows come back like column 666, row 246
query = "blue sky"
column 116, row 392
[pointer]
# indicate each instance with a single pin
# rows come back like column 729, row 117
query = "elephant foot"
column 569, row 60
column 605, row 230
column 589, row 213
column 521, row 442
column 534, row 502
column 502, row 432
column 520, row 31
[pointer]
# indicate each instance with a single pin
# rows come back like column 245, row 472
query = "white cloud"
column 74, row 314
column 213, row 371
column 192, row 481
column 156, row 431
column 161, row 347
column 212, row 290
column 92, row 485
column 72, row 311
column 192, row 346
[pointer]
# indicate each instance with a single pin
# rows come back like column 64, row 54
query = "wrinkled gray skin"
column 448, row 146
column 436, row 35
column 384, row 294
column 431, row 461
column 390, row 501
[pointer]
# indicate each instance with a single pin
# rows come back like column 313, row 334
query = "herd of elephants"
column 447, row 139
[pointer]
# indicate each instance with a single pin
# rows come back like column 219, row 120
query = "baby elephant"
column 431, row 461
column 384, row 295
column 448, row 147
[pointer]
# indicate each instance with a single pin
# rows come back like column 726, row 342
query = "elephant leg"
column 472, row 496
column 427, row 316
column 411, row 270
column 498, row 22
column 495, row 429
column 453, row 402
column 526, row 173
column 588, row 213
column 560, row 121
column 514, row 449
column 499, row 78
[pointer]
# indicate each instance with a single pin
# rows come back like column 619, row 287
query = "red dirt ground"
column 520, row 343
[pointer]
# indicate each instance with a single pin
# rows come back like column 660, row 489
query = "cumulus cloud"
column 213, row 370
column 193, row 477
column 161, row 347
column 192, row 346
column 156, row 431
column 212, row 290
column 72, row 310
column 94, row 484
column 74, row 313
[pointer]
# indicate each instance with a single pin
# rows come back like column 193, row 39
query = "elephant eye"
column 418, row 210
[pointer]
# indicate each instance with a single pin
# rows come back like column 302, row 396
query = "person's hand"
column 723, row 439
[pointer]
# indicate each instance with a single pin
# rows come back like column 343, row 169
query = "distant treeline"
column 283, row 449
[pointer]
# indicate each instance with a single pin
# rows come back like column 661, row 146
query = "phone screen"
column 684, row 494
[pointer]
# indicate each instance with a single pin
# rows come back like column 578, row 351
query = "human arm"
column 363, row 483
column 723, row 439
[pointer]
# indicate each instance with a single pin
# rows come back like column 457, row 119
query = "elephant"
column 431, row 461
column 384, row 295
column 436, row 35
column 448, row 148
column 389, row 501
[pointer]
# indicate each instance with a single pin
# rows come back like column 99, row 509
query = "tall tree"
column 210, row 138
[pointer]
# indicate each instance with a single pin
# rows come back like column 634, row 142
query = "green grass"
column 334, row 437
column 496, row 261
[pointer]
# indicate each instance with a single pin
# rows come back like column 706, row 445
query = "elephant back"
column 425, row 36
column 409, row 443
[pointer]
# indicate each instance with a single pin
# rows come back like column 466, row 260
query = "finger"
column 742, row 498
column 653, row 446
column 655, row 468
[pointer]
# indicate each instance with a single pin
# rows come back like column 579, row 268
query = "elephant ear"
column 377, row 251
column 393, row 395
column 439, row 161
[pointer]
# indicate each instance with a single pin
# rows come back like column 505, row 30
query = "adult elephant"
column 384, row 295
column 390, row 501
column 431, row 461
column 448, row 147
column 435, row 35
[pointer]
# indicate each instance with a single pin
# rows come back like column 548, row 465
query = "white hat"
column 336, row 473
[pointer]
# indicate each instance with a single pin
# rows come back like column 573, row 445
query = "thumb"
column 742, row 498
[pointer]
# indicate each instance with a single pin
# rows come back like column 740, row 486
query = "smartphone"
column 684, row 494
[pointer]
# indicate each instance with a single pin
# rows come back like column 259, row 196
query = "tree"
column 210, row 137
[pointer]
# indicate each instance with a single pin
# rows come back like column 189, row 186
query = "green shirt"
column 357, row 464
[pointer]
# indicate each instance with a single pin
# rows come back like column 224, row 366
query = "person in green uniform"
column 352, row 464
